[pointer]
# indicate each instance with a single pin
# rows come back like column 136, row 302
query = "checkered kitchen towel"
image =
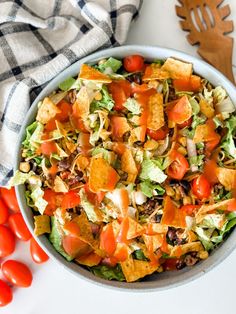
column 39, row 39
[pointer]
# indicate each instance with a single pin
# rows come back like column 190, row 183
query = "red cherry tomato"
column 107, row 240
column 18, row 227
column 37, row 254
column 186, row 123
column 178, row 167
column 17, row 273
column 120, row 91
column 133, row 63
column 201, row 187
column 9, row 197
column 75, row 247
column 3, row 212
column 70, row 200
column 48, row 148
column 5, row 293
column 7, row 241
column 158, row 134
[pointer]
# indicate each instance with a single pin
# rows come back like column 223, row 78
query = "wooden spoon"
column 205, row 21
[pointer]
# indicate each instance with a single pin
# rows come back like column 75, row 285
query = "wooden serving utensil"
column 205, row 21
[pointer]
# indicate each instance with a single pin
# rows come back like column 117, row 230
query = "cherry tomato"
column 70, row 200
column 17, row 273
column 37, row 253
column 189, row 209
column 48, row 148
column 5, row 293
column 75, row 247
column 3, row 212
column 201, row 187
column 186, row 123
column 107, row 240
column 18, row 227
column 133, row 63
column 9, row 197
column 178, row 167
column 158, row 134
column 7, row 241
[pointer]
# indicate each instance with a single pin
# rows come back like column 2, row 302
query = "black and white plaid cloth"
column 39, row 39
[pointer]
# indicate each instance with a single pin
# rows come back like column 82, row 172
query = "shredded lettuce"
column 19, row 178
column 37, row 197
column 151, row 171
column 196, row 160
column 112, row 63
column 56, row 239
column 228, row 143
column 139, row 255
column 148, row 188
column 106, row 154
column 108, row 273
column 106, row 102
column 33, row 135
column 133, row 106
column 88, row 207
column 70, row 83
column 195, row 106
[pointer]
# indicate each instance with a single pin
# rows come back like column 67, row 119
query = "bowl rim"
column 162, row 282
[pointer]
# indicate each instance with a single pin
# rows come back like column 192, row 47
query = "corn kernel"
column 182, row 150
column 183, row 141
column 24, row 166
column 169, row 190
column 203, row 254
column 187, row 200
column 98, row 96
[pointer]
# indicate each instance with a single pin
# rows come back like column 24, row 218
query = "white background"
column 55, row 290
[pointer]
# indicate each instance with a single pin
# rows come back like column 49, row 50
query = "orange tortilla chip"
column 102, row 176
column 85, row 228
column 135, row 269
column 128, row 163
column 206, row 108
column 179, row 250
column 227, row 177
column 155, row 72
column 155, row 118
column 47, row 111
column 135, row 229
column 153, row 242
column 82, row 104
column 91, row 259
column 82, row 162
column 204, row 133
column 172, row 215
column 89, row 73
column 177, row 69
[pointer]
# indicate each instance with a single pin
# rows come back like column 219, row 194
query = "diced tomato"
column 107, row 240
column 119, row 126
column 120, row 91
column 51, row 125
column 48, row 148
column 66, row 110
column 158, row 134
column 171, row 263
column 74, row 246
column 78, row 124
column 53, row 170
column 201, row 187
column 121, row 253
column 94, row 198
column 133, row 63
column 50, row 197
column 181, row 111
column 210, row 145
column 136, row 88
column 70, row 199
column 189, row 209
column 232, row 205
column 178, row 167
column 119, row 148
column 210, row 168
column 188, row 84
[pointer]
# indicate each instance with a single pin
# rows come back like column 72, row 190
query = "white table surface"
column 55, row 290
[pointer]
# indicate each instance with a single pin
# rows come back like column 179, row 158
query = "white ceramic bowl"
column 156, row 281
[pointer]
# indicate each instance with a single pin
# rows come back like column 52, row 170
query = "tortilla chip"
column 47, row 111
column 155, row 118
column 91, row 259
column 82, row 104
column 61, row 153
column 60, row 128
column 89, row 73
column 179, row 250
column 102, row 176
column 154, row 228
column 172, row 215
column 128, row 163
column 85, row 228
column 135, row 229
column 82, row 162
column 135, row 269
column 204, row 133
column 122, row 252
column 206, row 108
column 153, row 242
column 119, row 126
column 70, row 145
column 151, row 145
column 137, row 134
column 60, row 186
column 155, row 72
column 41, row 225
column 177, row 69
column 227, row 177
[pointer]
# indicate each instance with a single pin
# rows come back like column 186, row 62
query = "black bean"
column 180, row 264
column 190, row 260
column 157, row 217
column 136, row 77
column 185, row 184
column 65, row 164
